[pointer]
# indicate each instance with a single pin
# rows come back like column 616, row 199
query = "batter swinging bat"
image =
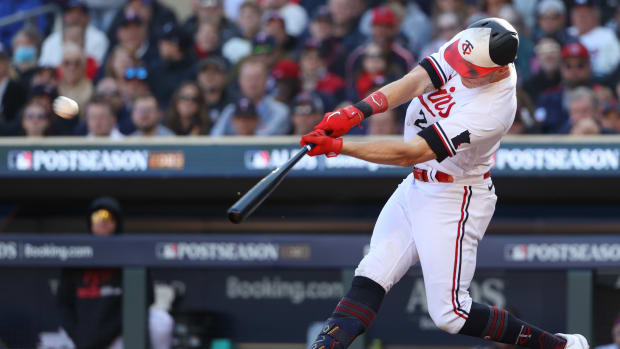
column 244, row 207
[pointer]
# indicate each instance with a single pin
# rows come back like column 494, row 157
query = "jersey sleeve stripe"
column 446, row 138
column 435, row 142
column 445, row 79
column 433, row 73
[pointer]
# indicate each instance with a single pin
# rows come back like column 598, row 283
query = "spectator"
column 134, row 85
column 273, row 115
column 26, row 45
column 207, row 41
column 174, row 66
column 102, row 12
column 147, row 118
column 314, row 73
column 525, row 51
column 308, row 111
column 549, row 58
column 109, row 89
column 384, row 28
column 74, row 34
column 266, row 49
column 153, row 15
column 583, row 112
column 45, row 75
column 321, row 27
column 212, row 12
column 91, row 300
column 447, row 25
column 101, row 119
column 249, row 23
column 374, row 67
column 386, row 123
column 615, row 336
column 75, row 12
column 132, row 35
column 601, row 42
column 611, row 120
column 188, row 113
column 42, row 22
column 74, row 83
column 524, row 121
column 36, row 121
column 12, row 94
column 552, row 22
column 294, row 16
column 575, row 71
column 288, row 84
column 245, row 118
column 345, row 16
column 119, row 60
column 212, row 82
column 274, row 26
column 321, row 32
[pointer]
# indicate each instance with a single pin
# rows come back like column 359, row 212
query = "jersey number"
column 421, row 120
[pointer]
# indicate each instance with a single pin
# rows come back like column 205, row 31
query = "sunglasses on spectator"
column 136, row 73
column 575, row 66
column 33, row 116
column 189, row 98
column 72, row 62
column 109, row 93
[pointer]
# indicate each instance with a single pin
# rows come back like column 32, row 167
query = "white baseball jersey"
column 465, row 125
column 440, row 224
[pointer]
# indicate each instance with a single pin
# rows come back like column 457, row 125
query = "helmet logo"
column 467, row 47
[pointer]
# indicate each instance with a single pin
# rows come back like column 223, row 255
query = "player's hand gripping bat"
column 244, row 207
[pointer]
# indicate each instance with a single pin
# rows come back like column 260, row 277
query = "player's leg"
column 161, row 326
column 391, row 253
column 447, row 246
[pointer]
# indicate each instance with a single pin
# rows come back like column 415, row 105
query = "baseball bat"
column 244, row 207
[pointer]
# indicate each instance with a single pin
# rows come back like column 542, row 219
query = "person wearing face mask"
column 25, row 53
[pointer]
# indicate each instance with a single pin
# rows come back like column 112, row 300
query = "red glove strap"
column 377, row 101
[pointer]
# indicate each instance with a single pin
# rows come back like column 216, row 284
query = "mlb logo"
column 20, row 160
column 257, row 159
column 516, row 252
column 168, row 251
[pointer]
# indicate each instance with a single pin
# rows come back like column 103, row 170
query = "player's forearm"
column 388, row 152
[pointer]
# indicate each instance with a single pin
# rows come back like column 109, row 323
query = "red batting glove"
column 323, row 144
column 341, row 121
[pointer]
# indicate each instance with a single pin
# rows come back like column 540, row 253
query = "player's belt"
column 437, row 176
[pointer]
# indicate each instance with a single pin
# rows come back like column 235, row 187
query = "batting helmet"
column 485, row 46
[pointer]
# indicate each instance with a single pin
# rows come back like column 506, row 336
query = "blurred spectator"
column 386, row 123
column 134, row 85
column 273, row 115
column 288, row 84
column 266, row 49
column 207, row 41
column 119, row 60
column 601, row 42
column 212, row 12
column 25, row 46
column 75, row 13
column 552, row 22
column 153, row 15
column 575, row 71
column 524, row 121
column 320, row 27
column 91, row 300
column 12, row 94
column 101, row 119
column 245, row 118
column 74, row 83
column 102, row 12
column 583, row 113
column 415, row 24
column 615, row 336
column 549, row 58
column 374, row 65
column 457, row 6
column 132, row 35
column 314, row 73
column 212, row 82
column 493, row 7
column 109, row 89
column 74, row 34
column 308, row 112
column 44, row 94
column 274, row 26
column 9, row 7
column 447, row 25
column 188, row 113
column 345, row 22
column 321, row 32
column 175, row 64
column 384, row 27
column 249, row 23
column 525, row 51
column 36, row 121
column 147, row 117
column 294, row 16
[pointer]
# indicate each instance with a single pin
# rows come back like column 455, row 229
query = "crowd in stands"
column 273, row 67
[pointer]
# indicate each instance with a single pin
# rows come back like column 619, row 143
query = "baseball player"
column 462, row 103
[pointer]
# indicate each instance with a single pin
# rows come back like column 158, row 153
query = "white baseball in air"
column 65, row 107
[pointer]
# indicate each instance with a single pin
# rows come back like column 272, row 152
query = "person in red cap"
column 575, row 71
column 288, row 85
column 385, row 26
column 462, row 102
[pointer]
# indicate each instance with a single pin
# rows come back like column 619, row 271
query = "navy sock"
column 498, row 325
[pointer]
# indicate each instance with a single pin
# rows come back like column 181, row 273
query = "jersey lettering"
column 421, row 120
column 439, row 99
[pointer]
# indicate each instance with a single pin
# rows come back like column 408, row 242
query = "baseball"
column 65, row 107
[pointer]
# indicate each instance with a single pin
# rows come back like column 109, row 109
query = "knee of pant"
column 448, row 322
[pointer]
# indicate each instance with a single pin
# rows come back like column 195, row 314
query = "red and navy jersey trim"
column 433, row 71
column 443, row 75
column 438, row 141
